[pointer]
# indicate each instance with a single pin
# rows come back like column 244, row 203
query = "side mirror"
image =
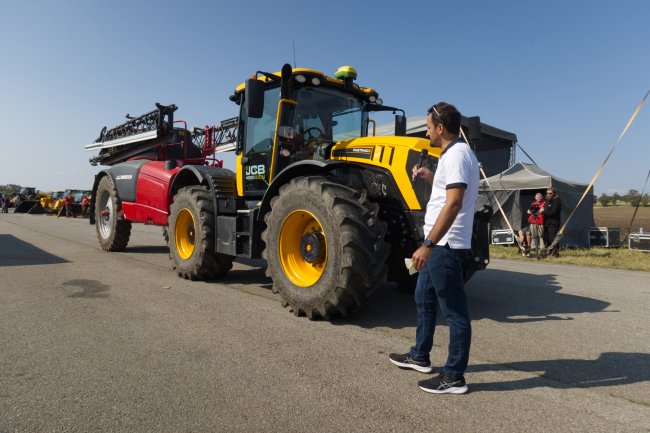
column 400, row 125
column 254, row 98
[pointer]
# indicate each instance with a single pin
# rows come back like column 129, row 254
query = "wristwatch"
column 428, row 243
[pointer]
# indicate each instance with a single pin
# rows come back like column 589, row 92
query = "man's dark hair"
column 446, row 114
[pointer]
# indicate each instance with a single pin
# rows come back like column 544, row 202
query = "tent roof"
column 530, row 176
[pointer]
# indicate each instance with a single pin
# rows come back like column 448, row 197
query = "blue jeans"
column 441, row 283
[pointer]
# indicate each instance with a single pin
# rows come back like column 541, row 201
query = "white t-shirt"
column 457, row 167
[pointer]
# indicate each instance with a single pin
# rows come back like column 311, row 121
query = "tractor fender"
column 216, row 178
column 124, row 178
column 301, row 168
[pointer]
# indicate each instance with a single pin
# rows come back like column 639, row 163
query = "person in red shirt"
column 536, row 220
column 69, row 202
column 84, row 206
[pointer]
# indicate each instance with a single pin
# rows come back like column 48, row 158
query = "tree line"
column 9, row 189
column 632, row 198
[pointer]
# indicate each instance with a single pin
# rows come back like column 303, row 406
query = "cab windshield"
column 321, row 117
column 329, row 114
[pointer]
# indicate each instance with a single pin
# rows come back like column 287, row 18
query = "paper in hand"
column 410, row 266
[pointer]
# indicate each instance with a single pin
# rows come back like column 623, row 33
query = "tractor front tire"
column 113, row 232
column 324, row 246
column 192, row 238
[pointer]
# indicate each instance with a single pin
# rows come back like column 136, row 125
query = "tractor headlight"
column 315, row 81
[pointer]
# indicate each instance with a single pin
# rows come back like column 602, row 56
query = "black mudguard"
column 125, row 178
column 220, row 180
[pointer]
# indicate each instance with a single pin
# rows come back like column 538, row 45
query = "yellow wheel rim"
column 184, row 234
column 295, row 226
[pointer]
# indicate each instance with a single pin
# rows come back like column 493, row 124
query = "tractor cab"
column 27, row 193
column 296, row 115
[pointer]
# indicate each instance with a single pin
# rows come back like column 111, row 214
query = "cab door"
column 258, row 140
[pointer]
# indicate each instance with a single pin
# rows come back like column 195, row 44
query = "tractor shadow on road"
column 15, row 252
column 494, row 294
column 610, row 369
column 247, row 271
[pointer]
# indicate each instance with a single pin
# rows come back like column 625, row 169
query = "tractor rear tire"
column 113, row 232
column 324, row 246
column 192, row 238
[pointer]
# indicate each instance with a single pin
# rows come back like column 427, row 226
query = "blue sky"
column 565, row 76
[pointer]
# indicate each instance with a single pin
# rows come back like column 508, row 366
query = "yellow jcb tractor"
column 332, row 210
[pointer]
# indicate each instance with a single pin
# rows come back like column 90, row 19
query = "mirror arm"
column 269, row 76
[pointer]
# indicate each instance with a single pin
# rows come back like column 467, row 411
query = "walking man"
column 439, row 260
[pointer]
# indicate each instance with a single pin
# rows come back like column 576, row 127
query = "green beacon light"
column 346, row 72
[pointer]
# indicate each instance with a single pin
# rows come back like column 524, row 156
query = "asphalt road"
column 96, row 341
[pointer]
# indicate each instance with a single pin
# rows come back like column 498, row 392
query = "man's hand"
column 422, row 173
column 420, row 257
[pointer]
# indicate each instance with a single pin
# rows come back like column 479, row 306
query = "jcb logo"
column 255, row 170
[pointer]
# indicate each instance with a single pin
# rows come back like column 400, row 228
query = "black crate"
column 605, row 237
column 502, row 237
column 639, row 241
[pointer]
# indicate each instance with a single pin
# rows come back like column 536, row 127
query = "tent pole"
column 629, row 229
column 515, row 235
column 600, row 169
column 526, row 153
